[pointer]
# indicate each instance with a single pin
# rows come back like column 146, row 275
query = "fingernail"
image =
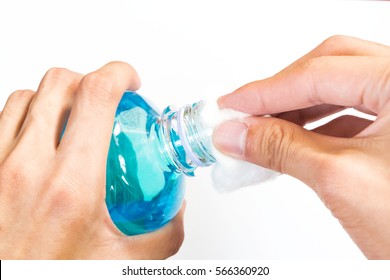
column 230, row 136
column 220, row 102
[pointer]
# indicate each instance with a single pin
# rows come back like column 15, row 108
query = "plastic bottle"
column 148, row 156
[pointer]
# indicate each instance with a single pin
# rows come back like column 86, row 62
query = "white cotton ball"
column 230, row 174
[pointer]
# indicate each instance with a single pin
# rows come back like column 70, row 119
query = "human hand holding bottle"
column 346, row 161
column 52, row 196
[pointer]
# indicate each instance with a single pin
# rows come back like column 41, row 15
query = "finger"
column 162, row 243
column 339, row 45
column 49, row 109
column 344, row 126
column 14, row 112
column 277, row 144
column 308, row 115
column 342, row 81
column 89, row 127
column 12, row 118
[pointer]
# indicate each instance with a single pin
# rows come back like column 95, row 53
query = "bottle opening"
column 194, row 136
column 189, row 138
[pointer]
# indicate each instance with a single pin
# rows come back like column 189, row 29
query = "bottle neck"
column 187, row 138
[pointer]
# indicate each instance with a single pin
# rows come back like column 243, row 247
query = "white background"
column 185, row 51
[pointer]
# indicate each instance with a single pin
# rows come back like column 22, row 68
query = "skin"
column 346, row 161
column 52, row 195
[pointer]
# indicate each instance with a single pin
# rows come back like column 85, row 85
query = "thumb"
column 276, row 144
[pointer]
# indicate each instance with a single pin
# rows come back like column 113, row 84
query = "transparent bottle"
column 148, row 156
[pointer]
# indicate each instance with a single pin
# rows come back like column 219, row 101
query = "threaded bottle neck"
column 187, row 138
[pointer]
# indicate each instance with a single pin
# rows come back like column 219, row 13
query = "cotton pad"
column 228, row 173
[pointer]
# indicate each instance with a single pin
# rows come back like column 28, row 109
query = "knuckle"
column 275, row 143
column 121, row 69
column 117, row 63
column 57, row 74
column 20, row 95
column 17, row 100
column 97, row 88
column 333, row 43
column 58, row 78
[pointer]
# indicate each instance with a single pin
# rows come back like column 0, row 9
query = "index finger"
column 340, row 45
column 337, row 80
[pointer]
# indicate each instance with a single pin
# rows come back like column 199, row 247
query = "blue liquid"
column 143, row 190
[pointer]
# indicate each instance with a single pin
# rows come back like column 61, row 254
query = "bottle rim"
column 181, row 127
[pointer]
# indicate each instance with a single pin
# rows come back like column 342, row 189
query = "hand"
column 346, row 161
column 52, row 196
